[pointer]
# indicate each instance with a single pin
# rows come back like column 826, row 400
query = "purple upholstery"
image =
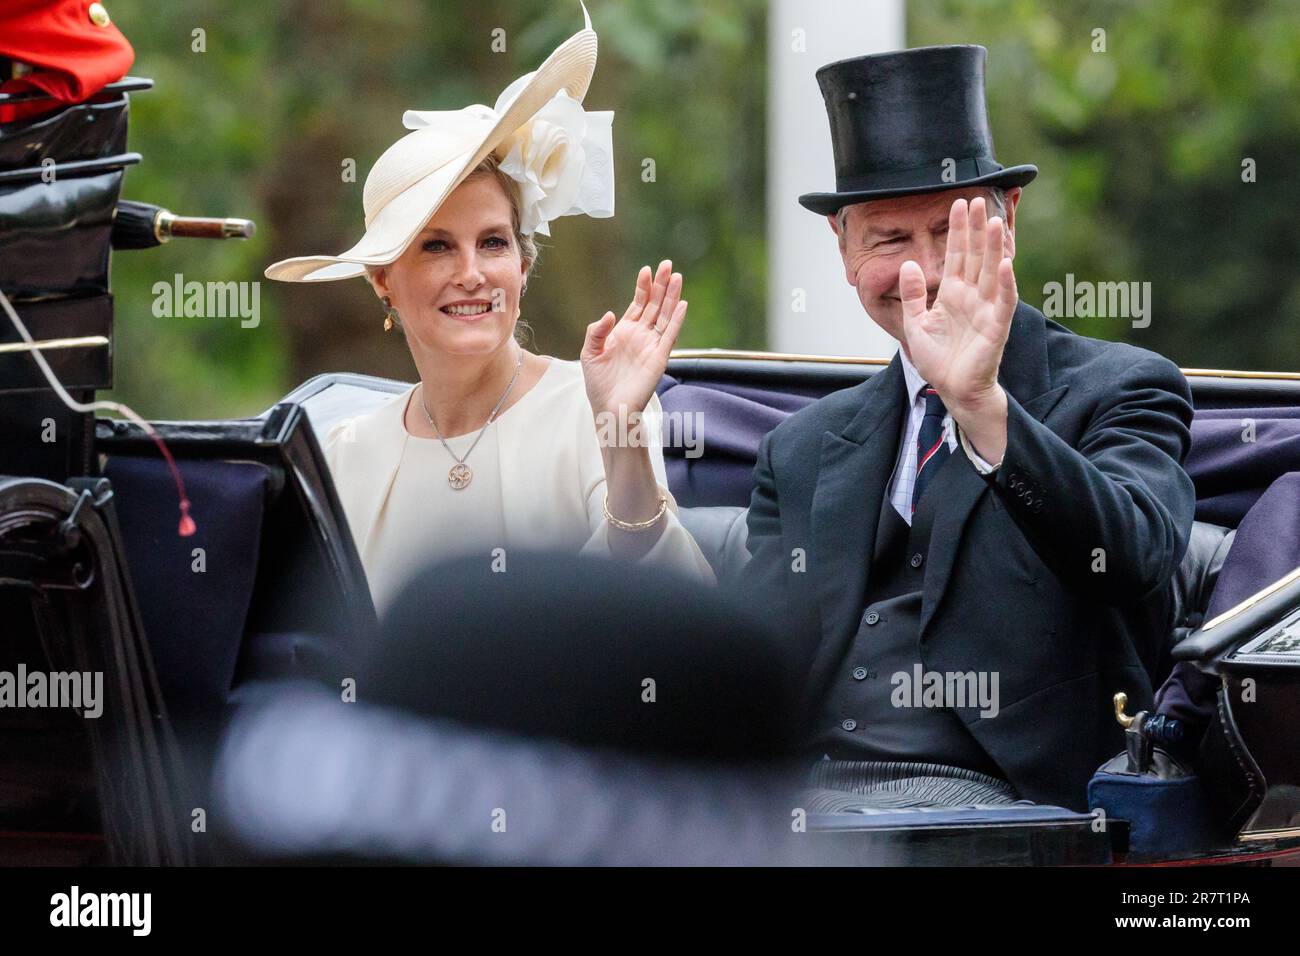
column 1229, row 472
column 733, row 420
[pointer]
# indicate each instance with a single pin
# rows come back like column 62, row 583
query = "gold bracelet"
column 635, row 525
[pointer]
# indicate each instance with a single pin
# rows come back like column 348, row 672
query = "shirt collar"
column 914, row 381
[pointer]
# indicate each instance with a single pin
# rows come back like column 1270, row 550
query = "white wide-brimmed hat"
column 560, row 155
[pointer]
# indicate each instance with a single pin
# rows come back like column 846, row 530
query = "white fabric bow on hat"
column 562, row 158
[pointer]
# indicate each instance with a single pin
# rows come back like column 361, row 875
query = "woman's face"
column 457, row 285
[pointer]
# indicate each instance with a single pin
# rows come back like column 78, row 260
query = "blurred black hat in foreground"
column 569, row 710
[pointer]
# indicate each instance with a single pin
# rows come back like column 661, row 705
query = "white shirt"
column 904, row 478
column 539, row 483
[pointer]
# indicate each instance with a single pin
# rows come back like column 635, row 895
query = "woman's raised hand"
column 623, row 360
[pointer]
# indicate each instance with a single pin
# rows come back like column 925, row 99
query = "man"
column 964, row 542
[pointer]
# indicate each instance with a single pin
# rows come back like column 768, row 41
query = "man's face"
column 879, row 236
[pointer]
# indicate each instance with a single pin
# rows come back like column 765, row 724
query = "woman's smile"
column 467, row 310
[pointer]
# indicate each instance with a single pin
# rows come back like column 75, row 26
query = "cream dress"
column 539, row 483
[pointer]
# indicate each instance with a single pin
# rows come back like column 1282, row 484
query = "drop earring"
column 389, row 313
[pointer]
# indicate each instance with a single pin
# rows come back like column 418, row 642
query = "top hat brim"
column 827, row 204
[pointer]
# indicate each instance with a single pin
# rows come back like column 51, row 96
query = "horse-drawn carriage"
column 268, row 596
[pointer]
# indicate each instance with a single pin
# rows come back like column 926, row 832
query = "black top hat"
column 913, row 121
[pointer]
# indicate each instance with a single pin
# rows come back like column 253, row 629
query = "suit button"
column 872, row 617
column 850, row 725
column 859, row 673
column 916, row 560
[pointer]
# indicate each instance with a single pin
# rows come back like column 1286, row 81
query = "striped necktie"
column 931, row 445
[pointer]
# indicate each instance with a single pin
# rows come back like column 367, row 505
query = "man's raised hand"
column 957, row 343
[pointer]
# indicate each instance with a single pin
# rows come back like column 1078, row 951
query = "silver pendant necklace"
column 461, row 474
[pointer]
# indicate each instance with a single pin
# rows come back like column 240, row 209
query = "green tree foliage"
column 1141, row 150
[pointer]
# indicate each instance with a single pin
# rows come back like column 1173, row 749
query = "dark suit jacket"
column 1096, row 434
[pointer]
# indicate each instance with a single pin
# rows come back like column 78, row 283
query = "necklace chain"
column 491, row 417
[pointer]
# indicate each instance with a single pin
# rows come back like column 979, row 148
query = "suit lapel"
column 1026, row 376
column 852, row 476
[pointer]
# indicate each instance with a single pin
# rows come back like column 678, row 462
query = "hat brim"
column 569, row 68
column 827, row 204
column 388, row 235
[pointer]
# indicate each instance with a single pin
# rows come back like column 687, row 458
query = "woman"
column 496, row 447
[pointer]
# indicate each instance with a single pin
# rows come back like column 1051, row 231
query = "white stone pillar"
column 804, row 35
